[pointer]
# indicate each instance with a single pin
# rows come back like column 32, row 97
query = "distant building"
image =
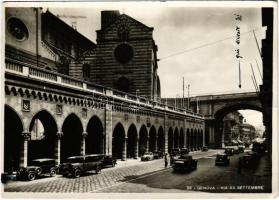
column 247, row 133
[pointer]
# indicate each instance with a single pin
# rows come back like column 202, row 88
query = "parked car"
column 222, row 159
column 235, row 149
column 147, row 156
column 109, row 160
column 184, row 151
column 175, row 152
column 250, row 159
column 204, row 148
column 184, row 162
column 157, row 154
column 241, row 148
column 78, row 165
column 229, row 151
column 38, row 167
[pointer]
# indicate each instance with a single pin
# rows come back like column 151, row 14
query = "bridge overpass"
column 79, row 117
column 215, row 107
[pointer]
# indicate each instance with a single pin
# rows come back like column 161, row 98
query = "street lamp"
column 177, row 101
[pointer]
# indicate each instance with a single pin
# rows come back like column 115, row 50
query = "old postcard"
column 139, row 100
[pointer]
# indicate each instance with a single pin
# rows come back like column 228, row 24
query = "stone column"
column 124, row 149
column 58, row 147
column 203, row 138
column 185, row 139
column 83, row 148
column 156, row 143
column 24, row 152
column 147, row 144
column 137, row 148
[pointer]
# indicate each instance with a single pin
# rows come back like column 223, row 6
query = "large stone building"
column 247, row 133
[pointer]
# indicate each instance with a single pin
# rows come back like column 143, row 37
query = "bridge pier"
column 24, row 152
column 124, row 149
column 83, row 143
column 136, row 148
column 58, row 147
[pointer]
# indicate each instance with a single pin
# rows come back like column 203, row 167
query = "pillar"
column 24, row 152
column 147, row 144
column 124, row 149
column 137, row 148
column 185, row 139
column 108, row 130
column 156, row 143
column 82, row 151
column 58, row 147
column 203, row 138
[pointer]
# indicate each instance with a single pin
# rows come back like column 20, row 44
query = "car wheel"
column 31, row 176
column 52, row 172
column 77, row 173
column 39, row 171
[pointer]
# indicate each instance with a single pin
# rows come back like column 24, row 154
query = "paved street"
column 137, row 176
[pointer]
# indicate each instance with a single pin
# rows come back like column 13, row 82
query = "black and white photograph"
column 139, row 99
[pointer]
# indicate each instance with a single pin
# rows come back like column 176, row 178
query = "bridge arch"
column 72, row 135
column 118, row 142
column 43, row 129
column 13, row 128
column 95, row 139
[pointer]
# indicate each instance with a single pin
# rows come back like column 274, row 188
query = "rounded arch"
column 72, row 135
column 94, row 142
column 181, row 138
column 132, row 141
column 13, row 128
column 161, row 139
column 118, row 141
column 170, row 139
column 43, row 129
column 152, row 139
column 143, row 138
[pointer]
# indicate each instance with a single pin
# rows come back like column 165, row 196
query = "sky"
column 206, row 36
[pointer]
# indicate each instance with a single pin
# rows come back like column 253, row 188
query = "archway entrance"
column 176, row 138
column 152, row 139
column 132, row 142
column 161, row 139
column 118, row 141
column 43, row 131
column 143, row 137
column 12, row 140
column 72, row 136
column 170, row 140
column 95, row 139
column 181, row 138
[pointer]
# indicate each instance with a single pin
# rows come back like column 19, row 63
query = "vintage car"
column 175, row 152
column 109, row 160
column 147, row 156
column 38, row 167
column 229, row 151
column 222, row 159
column 78, row 165
column 204, row 148
column 184, row 162
column 158, row 154
column 250, row 159
column 241, row 148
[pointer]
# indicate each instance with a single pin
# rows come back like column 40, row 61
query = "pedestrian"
column 166, row 160
column 239, row 165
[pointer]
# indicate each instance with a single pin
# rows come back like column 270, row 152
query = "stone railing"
column 60, row 79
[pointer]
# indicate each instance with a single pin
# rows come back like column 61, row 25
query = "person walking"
column 166, row 160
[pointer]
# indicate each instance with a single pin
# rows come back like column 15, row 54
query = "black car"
column 204, row 148
column 78, row 165
column 184, row 151
column 222, row 159
column 38, row 167
column 175, row 152
column 250, row 159
column 229, row 151
column 158, row 154
column 241, row 149
column 109, row 160
column 184, row 162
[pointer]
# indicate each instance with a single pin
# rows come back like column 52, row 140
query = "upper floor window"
column 123, row 32
column 86, row 71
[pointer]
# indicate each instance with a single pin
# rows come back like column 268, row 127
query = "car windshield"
column 75, row 160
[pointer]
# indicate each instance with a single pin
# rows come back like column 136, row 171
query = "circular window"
column 123, row 53
column 17, row 28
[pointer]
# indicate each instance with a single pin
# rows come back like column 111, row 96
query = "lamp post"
column 188, row 99
column 177, row 101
